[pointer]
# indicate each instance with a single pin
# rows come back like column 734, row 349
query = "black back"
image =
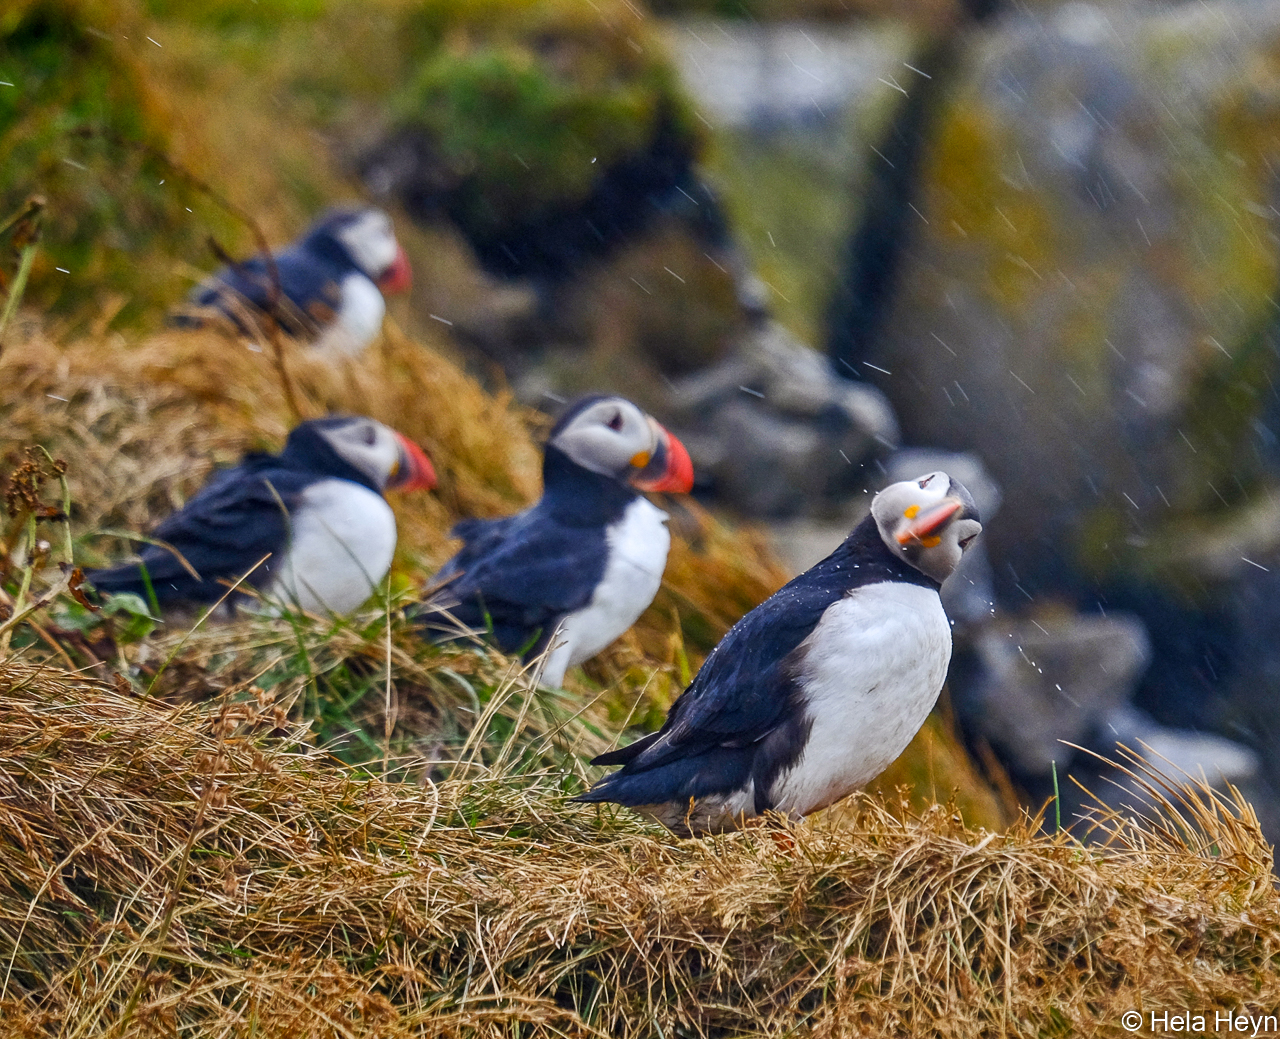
column 311, row 271
column 230, row 524
column 521, row 574
column 740, row 718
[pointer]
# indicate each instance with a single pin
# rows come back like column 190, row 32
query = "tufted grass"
column 199, row 869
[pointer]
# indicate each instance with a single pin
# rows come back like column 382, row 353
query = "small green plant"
column 126, row 617
column 25, row 225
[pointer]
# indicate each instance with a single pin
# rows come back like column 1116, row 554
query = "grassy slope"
column 142, row 423
column 169, row 870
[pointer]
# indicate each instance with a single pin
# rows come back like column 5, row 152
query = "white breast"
column 359, row 317
column 872, row 670
column 637, row 545
column 343, row 538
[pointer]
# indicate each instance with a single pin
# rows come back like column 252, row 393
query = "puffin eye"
column 925, row 482
column 369, row 436
column 966, row 542
column 615, row 423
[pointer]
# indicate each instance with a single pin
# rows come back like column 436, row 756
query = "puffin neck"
column 325, row 246
column 577, row 497
column 868, row 559
column 306, row 451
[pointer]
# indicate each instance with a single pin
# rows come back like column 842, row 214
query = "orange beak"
column 924, row 527
column 398, row 277
column 669, row 469
column 416, row 473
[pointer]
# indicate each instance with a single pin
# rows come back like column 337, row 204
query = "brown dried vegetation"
column 173, row 869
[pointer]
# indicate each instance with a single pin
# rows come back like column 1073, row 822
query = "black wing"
column 223, row 532
column 744, row 692
column 520, row 575
column 309, row 284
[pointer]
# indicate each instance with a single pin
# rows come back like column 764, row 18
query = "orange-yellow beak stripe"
column 924, row 527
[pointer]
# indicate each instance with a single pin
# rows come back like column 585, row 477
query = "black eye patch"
column 615, row 423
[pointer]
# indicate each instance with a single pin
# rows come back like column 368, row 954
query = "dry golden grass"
column 141, row 425
column 167, row 871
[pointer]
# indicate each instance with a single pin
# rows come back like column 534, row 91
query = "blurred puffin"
column 575, row 570
column 331, row 283
column 818, row 689
column 315, row 510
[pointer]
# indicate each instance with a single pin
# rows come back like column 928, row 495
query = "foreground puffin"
column 818, row 689
column 577, row 569
column 315, row 511
column 331, row 282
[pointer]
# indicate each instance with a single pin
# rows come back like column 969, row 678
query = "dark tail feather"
column 718, row 771
column 624, row 754
column 118, row 579
column 187, row 319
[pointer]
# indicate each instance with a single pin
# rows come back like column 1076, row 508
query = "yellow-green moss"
column 75, row 126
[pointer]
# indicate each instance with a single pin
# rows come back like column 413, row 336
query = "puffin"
column 817, row 690
column 308, row 528
column 332, row 281
column 575, row 570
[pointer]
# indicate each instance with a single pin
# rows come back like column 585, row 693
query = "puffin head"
column 365, row 234
column 613, row 437
column 387, row 459
column 929, row 522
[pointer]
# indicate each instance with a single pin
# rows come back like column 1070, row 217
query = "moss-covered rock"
column 527, row 102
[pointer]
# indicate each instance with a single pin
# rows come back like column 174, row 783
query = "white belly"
column 359, row 317
column 638, row 546
column 873, row 669
column 343, row 538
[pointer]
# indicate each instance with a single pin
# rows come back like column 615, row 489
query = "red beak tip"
column 930, row 523
column 419, row 474
column 399, row 276
column 678, row 477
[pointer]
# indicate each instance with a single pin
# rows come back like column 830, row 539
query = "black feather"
column 238, row 517
column 310, row 270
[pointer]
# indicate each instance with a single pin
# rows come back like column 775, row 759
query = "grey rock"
column 1056, row 313
column 1181, row 754
column 1040, row 684
column 774, row 428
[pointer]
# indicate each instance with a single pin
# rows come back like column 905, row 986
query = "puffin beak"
column 398, row 277
column 669, row 468
column 923, row 529
column 414, row 471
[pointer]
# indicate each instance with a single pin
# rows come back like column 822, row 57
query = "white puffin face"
column 383, row 455
column 929, row 522
column 613, row 437
column 609, row 437
column 371, row 241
